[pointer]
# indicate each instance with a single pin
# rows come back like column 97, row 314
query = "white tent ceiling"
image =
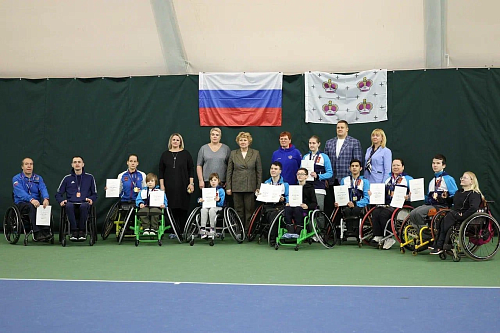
column 88, row 38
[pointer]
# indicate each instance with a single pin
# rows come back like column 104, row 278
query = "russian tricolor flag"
column 240, row 99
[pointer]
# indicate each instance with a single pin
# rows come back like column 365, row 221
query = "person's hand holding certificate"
column 43, row 215
column 398, row 197
column 208, row 196
column 156, row 198
column 295, row 195
column 112, row 188
column 341, row 195
column 417, row 189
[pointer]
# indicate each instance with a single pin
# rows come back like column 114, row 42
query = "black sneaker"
column 74, row 236
column 82, row 236
column 46, row 234
column 437, row 251
column 38, row 236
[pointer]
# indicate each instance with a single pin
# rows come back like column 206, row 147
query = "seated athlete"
column 358, row 191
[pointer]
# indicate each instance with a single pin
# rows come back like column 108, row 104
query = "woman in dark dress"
column 176, row 173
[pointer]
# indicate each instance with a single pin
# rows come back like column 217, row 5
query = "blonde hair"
column 475, row 183
column 170, row 141
column 216, row 129
column 382, row 133
column 244, row 135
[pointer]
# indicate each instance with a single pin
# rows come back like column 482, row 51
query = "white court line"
column 254, row 284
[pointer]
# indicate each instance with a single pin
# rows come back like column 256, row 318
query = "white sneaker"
column 377, row 239
column 146, row 232
column 389, row 242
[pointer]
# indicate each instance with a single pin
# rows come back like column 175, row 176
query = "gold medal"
column 136, row 189
column 77, row 194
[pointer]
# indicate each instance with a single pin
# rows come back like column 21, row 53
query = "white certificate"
column 378, row 194
column 341, row 194
column 43, row 215
column 208, row 196
column 156, row 198
column 417, row 189
column 398, row 198
column 269, row 193
column 112, row 188
column 295, row 195
column 309, row 165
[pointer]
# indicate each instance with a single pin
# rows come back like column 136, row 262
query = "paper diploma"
column 295, row 195
column 398, row 198
column 269, row 193
column 208, row 196
column 417, row 189
column 309, row 165
column 341, row 194
column 43, row 215
column 378, row 194
column 112, row 188
column 156, row 198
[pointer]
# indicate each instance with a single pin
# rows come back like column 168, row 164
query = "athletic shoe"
column 172, row 236
column 204, row 235
column 152, row 232
column 287, row 236
column 389, row 242
column 38, row 236
column 294, row 235
column 82, row 236
column 74, row 236
column 146, row 232
column 437, row 251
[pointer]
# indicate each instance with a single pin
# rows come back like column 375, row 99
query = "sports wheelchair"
column 138, row 232
column 90, row 225
column 16, row 223
column 349, row 227
column 417, row 238
column 478, row 237
column 261, row 220
column 227, row 219
column 317, row 227
column 392, row 226
column 117, row 216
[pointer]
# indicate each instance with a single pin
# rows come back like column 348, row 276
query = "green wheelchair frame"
column 325, row 233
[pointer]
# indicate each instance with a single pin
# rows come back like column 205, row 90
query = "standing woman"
column 378, row 158
column 212, row 158
column 244, row 175
column 176, row 172
column 322, row 170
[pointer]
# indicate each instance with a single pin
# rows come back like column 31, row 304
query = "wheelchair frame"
column 230, row 222
column 14, row 221
column 116, row 216
column 344, row 234
column 90, row 226
column 366, row 229
column 414, row 239
column 322, row 234
column 257, row 227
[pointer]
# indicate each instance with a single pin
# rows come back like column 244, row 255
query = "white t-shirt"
column 340, row 142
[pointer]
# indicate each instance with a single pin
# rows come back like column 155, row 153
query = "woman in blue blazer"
column 378, row 158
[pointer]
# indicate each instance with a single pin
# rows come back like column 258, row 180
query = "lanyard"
column 28, row 182
column 437, row 182
column 133, row 178
column 354, row 185
column 78, row 184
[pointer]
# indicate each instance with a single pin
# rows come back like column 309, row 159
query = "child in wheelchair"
column 149, row 216
column 210, row 213
column 298, row 213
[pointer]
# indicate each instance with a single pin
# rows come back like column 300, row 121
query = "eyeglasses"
column 301, row 174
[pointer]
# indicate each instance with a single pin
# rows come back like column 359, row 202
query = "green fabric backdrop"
column 454, row 112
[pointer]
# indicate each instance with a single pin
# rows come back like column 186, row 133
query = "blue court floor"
column 105, row 306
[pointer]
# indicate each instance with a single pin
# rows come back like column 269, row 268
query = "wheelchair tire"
column 398, row 217
column 109, row 221
column 255, row 223
column 407, row 234
column 192, row 225
column 324, row 230
column 234, row 224
column 436, row 221
column 366, row 229
column 271, row 238
column 479, row 236
column 12, row 225
column 173, row 225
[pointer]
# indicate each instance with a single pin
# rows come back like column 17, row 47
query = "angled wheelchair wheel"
column 436, row 222
column 12, row 228
column 123, row 230
column 408, row 234
column 110, row 219
column 273, row 229
column 366, row 229
column 324, row 229
column 173, row 224
column 255, row 224
column 234, row 224
column 397, row 219
column 479, row 236
column 192, row 225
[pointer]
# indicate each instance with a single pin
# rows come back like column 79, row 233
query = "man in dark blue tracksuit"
column 81, row 193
